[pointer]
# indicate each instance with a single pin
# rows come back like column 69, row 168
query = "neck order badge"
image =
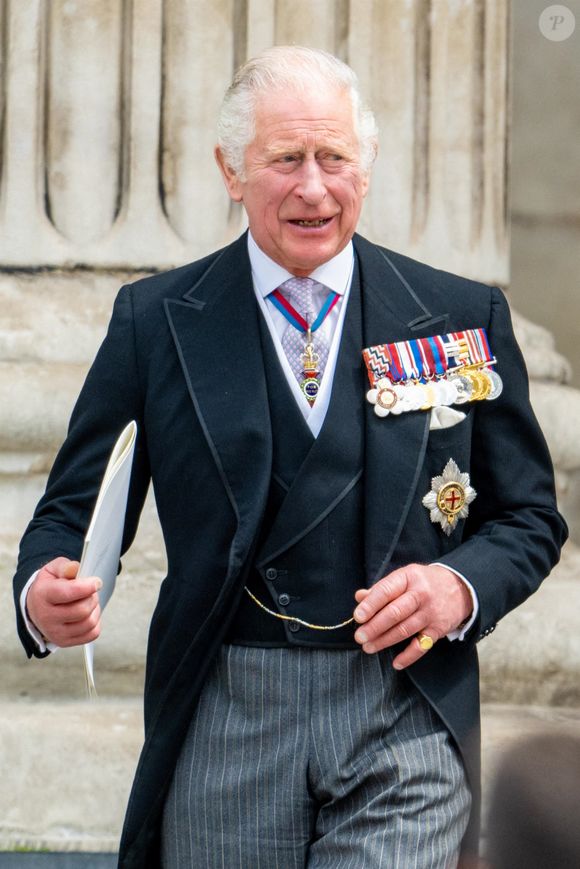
column 307, row 365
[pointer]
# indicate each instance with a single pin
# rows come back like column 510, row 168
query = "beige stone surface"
column 558, row 410
column 544, row 362
column 122, row 175
column 545, row 177
column 533, row 656
column 66, row 772
column 503, row 726
column 56, row 316
column 546, row 265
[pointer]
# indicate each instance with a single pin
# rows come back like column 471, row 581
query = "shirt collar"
column 268, row 275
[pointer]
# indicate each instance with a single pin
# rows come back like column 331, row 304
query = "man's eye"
column 331, row 159
column 287, row 158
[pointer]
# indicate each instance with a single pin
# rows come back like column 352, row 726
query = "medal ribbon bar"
column 431, row 372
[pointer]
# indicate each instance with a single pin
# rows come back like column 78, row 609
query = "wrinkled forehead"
column 327, row 110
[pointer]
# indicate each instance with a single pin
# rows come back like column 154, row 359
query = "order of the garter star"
column 450, row 496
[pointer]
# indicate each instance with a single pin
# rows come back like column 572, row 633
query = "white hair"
column 282, row 68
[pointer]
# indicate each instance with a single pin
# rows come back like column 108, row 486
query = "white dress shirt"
column 336, row 274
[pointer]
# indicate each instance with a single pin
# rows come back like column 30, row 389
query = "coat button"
column 294, row 627
column 284, row 600
column 271, row 573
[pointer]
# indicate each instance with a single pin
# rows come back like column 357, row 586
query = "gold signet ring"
column 425, row 641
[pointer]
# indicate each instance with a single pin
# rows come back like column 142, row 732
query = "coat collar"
column 392, row 303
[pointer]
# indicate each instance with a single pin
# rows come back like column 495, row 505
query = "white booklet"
column 102, row 547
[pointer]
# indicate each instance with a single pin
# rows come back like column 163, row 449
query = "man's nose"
column 311, row 186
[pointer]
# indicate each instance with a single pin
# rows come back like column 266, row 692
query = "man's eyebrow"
column 282, row 148
column 337, row 145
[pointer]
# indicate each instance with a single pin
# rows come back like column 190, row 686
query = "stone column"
column 121, row 175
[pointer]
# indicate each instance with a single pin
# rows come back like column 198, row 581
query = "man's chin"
column 304, row 255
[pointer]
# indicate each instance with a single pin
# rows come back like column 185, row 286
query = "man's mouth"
column 319, row 221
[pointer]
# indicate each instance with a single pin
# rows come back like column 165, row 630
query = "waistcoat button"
column 284, row 600
column 294, row 626
column 271, row 573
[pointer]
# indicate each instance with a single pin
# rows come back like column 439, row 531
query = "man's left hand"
column 418, row 598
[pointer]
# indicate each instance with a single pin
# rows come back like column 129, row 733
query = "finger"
column 394, row 615
column 62, row 591
column 413, row 651
column 57, row 567
column 77, row 612
column 70, row 570
column 360, row 594
column 76, row 633
column 405, row 630
column 381, row 594
column 78, row 630
column 66, row 641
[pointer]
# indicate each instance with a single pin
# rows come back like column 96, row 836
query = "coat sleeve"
column 514, row 532
column 110, row 398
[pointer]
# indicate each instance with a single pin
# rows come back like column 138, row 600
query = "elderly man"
column 282, row 729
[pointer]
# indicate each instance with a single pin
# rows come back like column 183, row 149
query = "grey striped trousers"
column 313, row 758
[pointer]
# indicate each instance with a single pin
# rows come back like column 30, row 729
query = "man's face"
column 304, row 186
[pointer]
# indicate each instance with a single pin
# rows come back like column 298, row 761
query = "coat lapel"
column 216, row 333
column 394, row 446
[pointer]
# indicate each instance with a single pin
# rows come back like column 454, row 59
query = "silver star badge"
column 450, row 497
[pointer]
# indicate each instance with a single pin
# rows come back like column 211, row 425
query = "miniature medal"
column 446, row 392
column 449, row 498
column 463, row 386
column 485, row 385
column 386, row 397
column 430, row 397
column 496, row 384
column 435, row 371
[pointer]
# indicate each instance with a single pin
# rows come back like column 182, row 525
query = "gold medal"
column 309, row 358
column 430, row 397
column 484, row 384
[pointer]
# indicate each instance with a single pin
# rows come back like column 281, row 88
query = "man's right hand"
column 63, row 608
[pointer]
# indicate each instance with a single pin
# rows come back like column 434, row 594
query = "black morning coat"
column 182, row 357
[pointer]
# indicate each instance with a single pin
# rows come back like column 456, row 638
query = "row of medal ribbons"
column 422, row 373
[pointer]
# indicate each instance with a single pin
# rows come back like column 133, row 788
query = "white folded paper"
column 102, row 547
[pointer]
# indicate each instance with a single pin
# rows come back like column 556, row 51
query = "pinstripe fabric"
column 313, row 758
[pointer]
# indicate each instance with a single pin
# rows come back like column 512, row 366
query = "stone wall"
column 109, row 108
column 545, row 178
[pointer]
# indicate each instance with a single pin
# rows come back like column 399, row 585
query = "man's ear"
column 366, row 183
column 231, row 179
column 367, row 174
